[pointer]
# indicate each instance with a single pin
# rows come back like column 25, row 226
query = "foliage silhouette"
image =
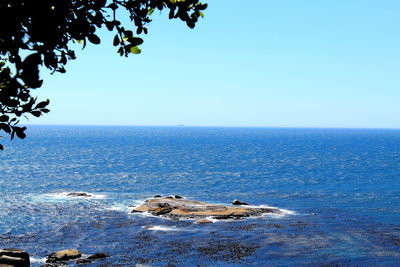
column 39, row 33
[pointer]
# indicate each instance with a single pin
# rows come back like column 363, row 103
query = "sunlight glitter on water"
column 338, row 190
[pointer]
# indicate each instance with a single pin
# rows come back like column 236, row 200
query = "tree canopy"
column 39, row 34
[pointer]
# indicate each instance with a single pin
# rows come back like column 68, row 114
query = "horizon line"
column 219, row 126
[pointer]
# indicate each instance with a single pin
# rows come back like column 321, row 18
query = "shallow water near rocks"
column 340, row 188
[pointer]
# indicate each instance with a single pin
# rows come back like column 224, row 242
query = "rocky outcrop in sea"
column 180, row 208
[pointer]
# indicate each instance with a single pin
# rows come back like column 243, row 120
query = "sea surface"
column 340, row 189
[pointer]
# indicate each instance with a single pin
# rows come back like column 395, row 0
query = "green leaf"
column 121, row 51
column 20, row 134
column 135, row 50
column 190, row 24
column 36, row 113
column 93, row 38
column 135, row 41
column 112, row 6
column 109, row 25
column 5, row 128
column 171, row 14
column 116, row 40
column 202, row 6
column 43, row 104
column 4, row 118
column 128, row 34
column 201, row 14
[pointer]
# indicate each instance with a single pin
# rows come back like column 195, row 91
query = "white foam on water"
column 37, row 260
column 119, row 207
column 161, row 228
column 64, row 195
column 212, row 219
column 284, row 212
column 135, row 203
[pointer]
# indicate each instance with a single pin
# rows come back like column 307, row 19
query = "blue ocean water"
column 340, row 187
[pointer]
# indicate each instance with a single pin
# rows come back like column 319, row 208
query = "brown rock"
column 15, row 257
column 134, row 211
column 183, row 208
column 238, row 202
column 63, row 255
column 14, row 261
column 78, row 194
column 203, row 221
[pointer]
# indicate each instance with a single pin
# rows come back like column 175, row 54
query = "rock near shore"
column 63, row 255
column 238, row 202
column 14, row 257
column 190, row 209
column 98, row 256
column 60, row 258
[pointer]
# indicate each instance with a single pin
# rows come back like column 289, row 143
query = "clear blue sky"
column 268, row 63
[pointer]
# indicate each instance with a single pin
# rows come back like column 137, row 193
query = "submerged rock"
column 183, row 208
column 91, row 258
column 238, row 202
column 50, row 265
column 98, row 256
column 83, row 261
column 14, row 257
column 64, row 255
column 78, row 194
column 203, row 221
